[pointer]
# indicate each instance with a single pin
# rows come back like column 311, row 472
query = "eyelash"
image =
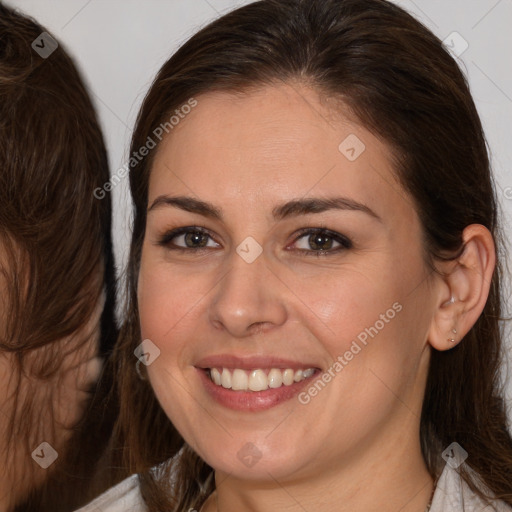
column 345, row 243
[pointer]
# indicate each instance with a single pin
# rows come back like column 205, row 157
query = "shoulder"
column 452, row 493
column 124, row 497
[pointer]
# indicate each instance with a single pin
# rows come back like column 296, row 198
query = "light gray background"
column 120, row 45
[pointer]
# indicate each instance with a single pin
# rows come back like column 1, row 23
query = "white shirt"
column 452, row 494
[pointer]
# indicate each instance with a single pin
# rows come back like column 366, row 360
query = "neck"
column 385, row 475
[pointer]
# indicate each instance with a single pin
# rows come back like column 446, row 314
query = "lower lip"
column 252, row 400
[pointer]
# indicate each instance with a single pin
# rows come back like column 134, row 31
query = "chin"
column 252, row 463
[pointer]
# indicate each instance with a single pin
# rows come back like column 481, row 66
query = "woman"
column 365, row 377
column 56, row 275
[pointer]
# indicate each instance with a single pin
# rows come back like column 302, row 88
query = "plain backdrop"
column 119, row 46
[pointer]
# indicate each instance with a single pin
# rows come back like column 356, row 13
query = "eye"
column 191, row 238
column 317, row 241
column 320, row 241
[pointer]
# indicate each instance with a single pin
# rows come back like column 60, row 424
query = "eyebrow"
column 289, row 209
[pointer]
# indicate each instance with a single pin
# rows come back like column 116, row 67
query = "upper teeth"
column 257, row 380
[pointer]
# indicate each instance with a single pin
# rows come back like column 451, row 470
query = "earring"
column 137, row 369
column 448, row 302
column 452, row 340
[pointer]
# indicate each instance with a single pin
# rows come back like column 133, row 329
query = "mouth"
column 259, row 379
column 254, row 383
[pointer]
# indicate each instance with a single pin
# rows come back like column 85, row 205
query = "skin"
column 355, row 446
column 61, row 399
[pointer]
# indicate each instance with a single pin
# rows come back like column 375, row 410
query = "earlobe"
column 463, row 288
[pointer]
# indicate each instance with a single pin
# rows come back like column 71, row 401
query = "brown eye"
column 318, row 240
column 186, row 239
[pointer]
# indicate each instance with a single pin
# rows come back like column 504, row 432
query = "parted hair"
column 401, row 83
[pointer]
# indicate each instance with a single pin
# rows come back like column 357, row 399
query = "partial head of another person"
column 56, row 266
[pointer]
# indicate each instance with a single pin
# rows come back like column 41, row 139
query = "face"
column 303, row 279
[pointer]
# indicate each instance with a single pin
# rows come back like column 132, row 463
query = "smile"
column 238, row 379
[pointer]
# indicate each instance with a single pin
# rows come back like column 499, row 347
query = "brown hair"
column 56, row 242
column 401, row 84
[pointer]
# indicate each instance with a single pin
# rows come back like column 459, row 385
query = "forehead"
column 269, row 145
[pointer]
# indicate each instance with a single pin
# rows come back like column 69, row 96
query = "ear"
column 467, row 280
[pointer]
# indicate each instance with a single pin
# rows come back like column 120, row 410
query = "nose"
column 248, row 299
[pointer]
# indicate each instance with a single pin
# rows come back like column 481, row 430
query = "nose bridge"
column 247, row 294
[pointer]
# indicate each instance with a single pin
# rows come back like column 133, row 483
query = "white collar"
column 453, row 494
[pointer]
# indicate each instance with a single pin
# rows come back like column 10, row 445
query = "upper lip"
column 251, row 362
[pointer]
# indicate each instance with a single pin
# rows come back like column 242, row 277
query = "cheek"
column 169, row 304
column 165, row 300
column 347, row 304
column 372, row 323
